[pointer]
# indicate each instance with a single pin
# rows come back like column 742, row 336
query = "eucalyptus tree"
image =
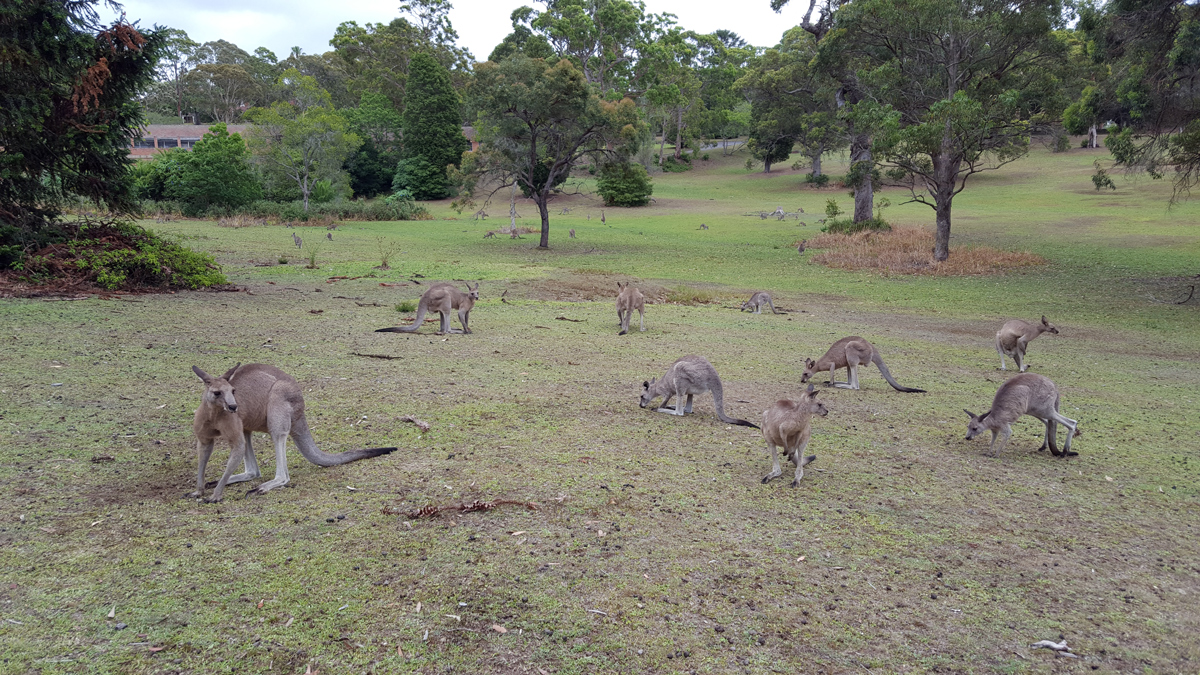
column 960, row 87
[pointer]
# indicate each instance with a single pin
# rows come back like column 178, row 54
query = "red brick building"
column 159, row 137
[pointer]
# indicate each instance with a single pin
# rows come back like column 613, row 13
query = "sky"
column 280, row 25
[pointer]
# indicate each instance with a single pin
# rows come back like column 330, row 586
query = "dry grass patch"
column 241, row 220
column 909, row 250
column 686, row 295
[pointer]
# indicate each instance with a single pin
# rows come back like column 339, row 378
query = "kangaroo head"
column 218, row 391
column 647, row 397
column 1049, row 327
column 810, row 369
column 473, row 293
column 621, row 287
column 813, row 405
column 976, row 425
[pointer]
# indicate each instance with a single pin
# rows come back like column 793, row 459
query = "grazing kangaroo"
column 628, row 300
column 442, row 298
column 688, row 376
column 703, row 226
column 1014, row 337
column 270, row 400
column 788, row 424
column 572, row 232
column 759, row 299
column 850, row 353
column 1024, row 394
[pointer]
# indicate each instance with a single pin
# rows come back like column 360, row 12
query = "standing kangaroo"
column 1025, row 394
column 757, row 301
column 1014, row 337
column 628, row 300
column 270, row 400
column 788, row 424
column 442, row 298
column 688, row 376
column 849, row 353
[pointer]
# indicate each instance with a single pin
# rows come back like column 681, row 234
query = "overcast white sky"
column 279, row 25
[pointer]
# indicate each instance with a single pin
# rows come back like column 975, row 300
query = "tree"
column 304, row 140
column 67, row 115
column 962, row 87
column 373, row 167
column 178, row 52
column 623, row 183
column 216, row 172
column 536, row 121
column 432, row 125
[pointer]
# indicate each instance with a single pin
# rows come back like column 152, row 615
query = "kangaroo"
column 759, row 299
column 1024, row 394
column 688, row 376
column 788, row 424
column 442, row 298
column 703, row 226
column 1014, row 337
column 270, row 401
column 628, row 300
column 572, row 233
column 849, row 353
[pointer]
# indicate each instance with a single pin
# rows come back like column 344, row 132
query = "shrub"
column 624, row 184
column 671, row 165
column 832, row 210
column 215, row 173
column 848, row 226
column 817, row 181
column 424, row 180
column 371, row 171
column 323, row 192
column 406, row 306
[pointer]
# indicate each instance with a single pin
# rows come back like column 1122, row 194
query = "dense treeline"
column 922, row 93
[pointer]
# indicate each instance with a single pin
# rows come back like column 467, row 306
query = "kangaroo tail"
column 999, row 348
column 887, row 375
column 773, row 310
column 408, row 329
column 719, row 400
column 308, row 448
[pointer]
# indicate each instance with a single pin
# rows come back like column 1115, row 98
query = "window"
column 168, row 142
column 188, row 143
column 144, row 143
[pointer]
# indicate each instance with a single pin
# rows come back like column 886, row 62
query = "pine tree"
column 432, row 128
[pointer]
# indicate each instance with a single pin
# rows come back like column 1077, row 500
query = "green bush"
column 624, row 184
column 670, row 165
column 215, row 173
column 818, row 181
column 323, row 192
column 424, row 180
column 848, row 226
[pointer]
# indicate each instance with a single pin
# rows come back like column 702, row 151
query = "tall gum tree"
column 535, row 122
column 959, row 87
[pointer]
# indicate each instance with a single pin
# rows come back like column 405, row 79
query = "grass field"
column 656, row 548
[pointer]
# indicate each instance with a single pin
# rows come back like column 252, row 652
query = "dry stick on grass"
column 423, row 426
column 477, row 505
column 377, row 356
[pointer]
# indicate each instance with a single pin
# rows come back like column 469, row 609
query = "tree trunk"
column 1093, row 137
column 945, row 173
column 864, row 192
column 663, row 143
column 543, row 208
column 766, row 166
column 679, row 135
column 816, row 164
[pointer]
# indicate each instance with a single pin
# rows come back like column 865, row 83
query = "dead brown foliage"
column 241, row 221
column 477, row 505
column 909, row 250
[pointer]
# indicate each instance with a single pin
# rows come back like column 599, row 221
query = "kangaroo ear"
column 232, row 371
column 1044, row 321
column 984, row 415
column 201, row 374
column 969, row 413
column 645, row 384
column 809, row 362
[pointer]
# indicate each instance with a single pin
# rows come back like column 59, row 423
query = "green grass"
column 919, row 552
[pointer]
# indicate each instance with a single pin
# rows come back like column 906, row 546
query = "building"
column 157, row 138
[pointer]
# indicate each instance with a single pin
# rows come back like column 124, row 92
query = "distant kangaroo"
column 270, row 400
column 1025, row 394
column 442, row 298
column 688, row 376
column 850, row 353
column 628, row 300
column 759, row 299
column 788, row 424
column 1014, row 337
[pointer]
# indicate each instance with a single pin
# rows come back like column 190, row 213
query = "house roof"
column 185, row 130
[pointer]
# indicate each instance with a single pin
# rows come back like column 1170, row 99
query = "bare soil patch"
column 590, row 285
column 909, row 250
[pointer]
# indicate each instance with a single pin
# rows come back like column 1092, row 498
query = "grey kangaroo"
column 757, row 301
column 628, row 300
column 1025, row 394
column 788, row 424
column 442, row 298
column 1014, row 337
column 688, row 376
column 850, row 353
column 269, row 400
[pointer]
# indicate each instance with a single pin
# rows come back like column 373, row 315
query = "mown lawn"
column 655, row 547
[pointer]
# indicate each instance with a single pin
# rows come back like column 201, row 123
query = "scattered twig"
column 423, row 426
column 563, row 318
column 1189, row 297
column 377, row 356
column 374, row 303
column 343, row 297
column 477, row 505
column 546, row 327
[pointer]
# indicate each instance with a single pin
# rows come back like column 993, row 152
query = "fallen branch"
column 423, row 426
column 377, row 356
column 1189, row 297
column 477, row 505
column 563, row 318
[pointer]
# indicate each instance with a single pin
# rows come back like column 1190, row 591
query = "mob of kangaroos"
column 1024, row 394
column 757, row 301
column 850, row 353
column 1014, row 337
column 271, row 401
column 688, row 376
column 788, row 424
column 629, row 299
column 442, row 298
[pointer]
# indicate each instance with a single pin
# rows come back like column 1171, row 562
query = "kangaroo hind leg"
column 251, row 465
column 801, row 461
column 1072, row 431
column 279, row 425
column 237, row 452
column 776, row 470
